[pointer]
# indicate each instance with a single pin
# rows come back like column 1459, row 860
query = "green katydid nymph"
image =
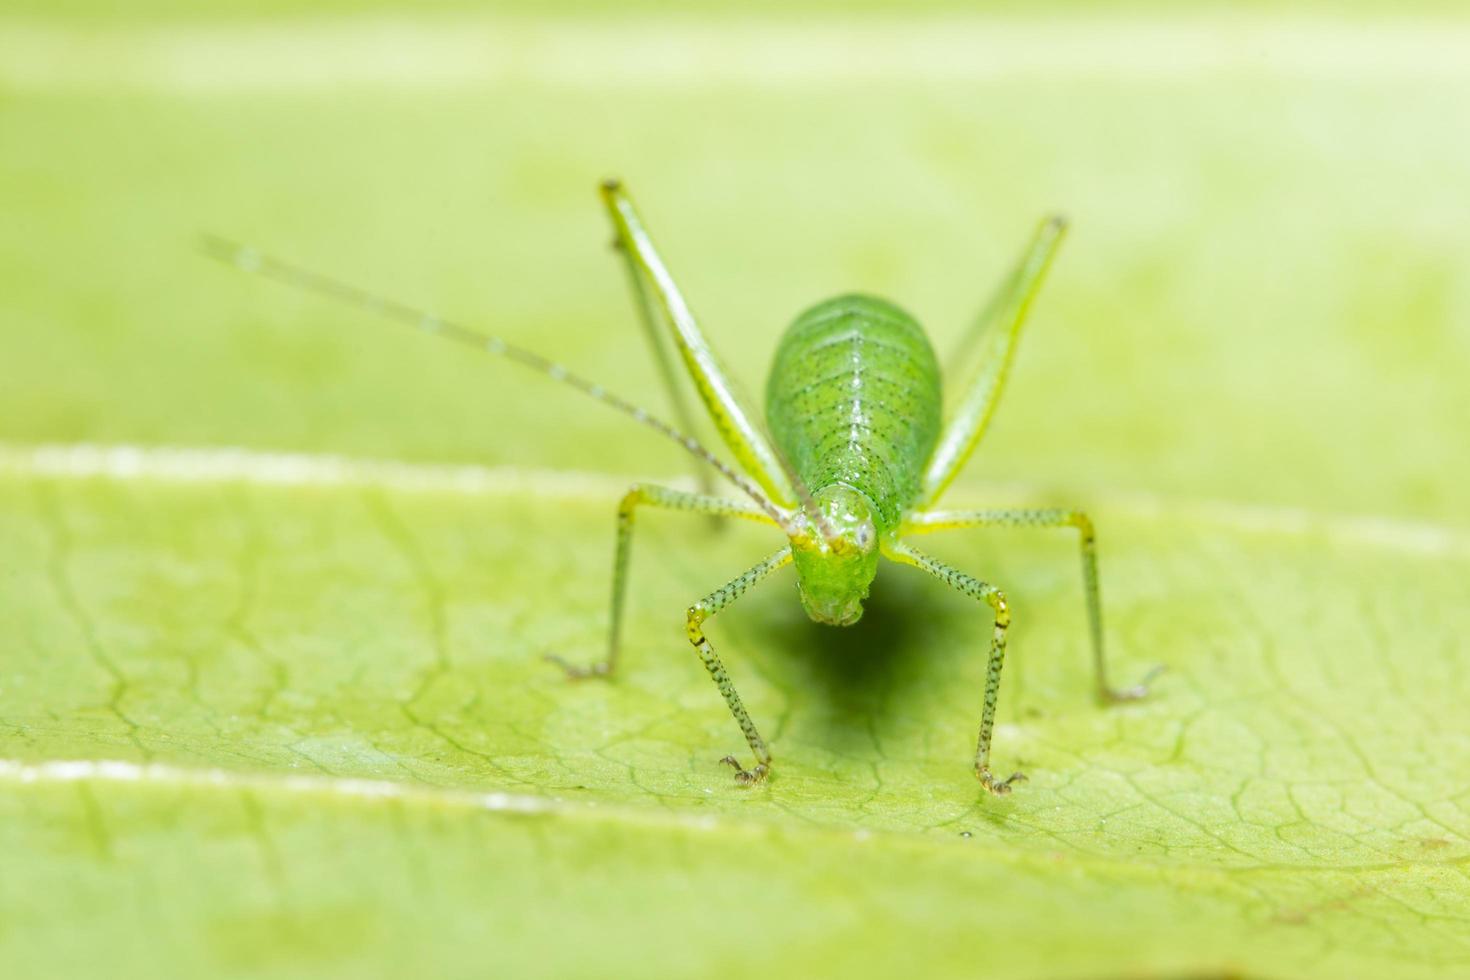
column 849, row 465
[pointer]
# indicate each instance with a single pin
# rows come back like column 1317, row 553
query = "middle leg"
column 928, row 523
column 651, row 495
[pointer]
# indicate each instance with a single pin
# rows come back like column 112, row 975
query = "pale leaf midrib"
column 369, row 791
column 230, row 465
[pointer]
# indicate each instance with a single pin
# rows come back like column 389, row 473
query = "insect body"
column 856, row 455
column 853, row 402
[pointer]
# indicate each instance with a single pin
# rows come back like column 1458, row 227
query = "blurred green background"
column 1252, row 357
column 1266, row 261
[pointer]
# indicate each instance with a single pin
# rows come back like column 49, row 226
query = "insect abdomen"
column 853, row 397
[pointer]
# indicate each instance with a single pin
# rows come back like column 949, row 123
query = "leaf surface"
column 279, row 712
column 332, row 698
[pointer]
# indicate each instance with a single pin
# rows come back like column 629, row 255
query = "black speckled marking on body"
column 854, row 398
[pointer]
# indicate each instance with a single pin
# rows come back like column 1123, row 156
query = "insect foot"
column 577, row 672
column 1110, row 695
column 744, row 776
column 998, row 787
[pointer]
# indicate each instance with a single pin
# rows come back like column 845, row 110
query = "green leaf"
column 274, row 711
column 330, row 741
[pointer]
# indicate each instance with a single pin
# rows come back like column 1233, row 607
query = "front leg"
column 996, row 600
column 694, row 625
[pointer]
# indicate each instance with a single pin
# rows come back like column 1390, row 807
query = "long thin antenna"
column 803, row 494
column 254, row 261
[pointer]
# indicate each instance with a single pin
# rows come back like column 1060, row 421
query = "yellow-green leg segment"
column 696, row 616
column 990, row 347
column 996, row 600
column 737, row 424
column 654, row 332
column 648, row 494
column 1043, row 518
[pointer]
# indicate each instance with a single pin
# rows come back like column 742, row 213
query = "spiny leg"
column 654, row 496
column 994, row 338
column 996, row 600
column 696, row 615
column 928, row 523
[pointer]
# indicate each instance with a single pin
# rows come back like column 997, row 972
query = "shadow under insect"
column 869, row 680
